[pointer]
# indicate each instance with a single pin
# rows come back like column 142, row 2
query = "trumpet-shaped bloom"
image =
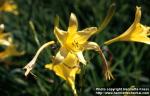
column 136, row 32
column 73, row 42
column 8, row 6
column 67, row 69
column 76, row 42
column 6, row 40
column 72, row 39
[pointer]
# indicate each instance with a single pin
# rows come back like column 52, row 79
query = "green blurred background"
column 130, row 64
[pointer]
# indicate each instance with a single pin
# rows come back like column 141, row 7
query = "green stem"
column 108, row 17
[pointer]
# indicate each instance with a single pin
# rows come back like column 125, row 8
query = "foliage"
column 130, row 61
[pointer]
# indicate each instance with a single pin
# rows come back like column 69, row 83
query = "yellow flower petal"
column 137, row 15
column 10, row 51
column 71, row 81
column 76, row 42
column 85, row 34
column 60, row 34
column 8, row 6
column 71, row 60
column 60, row 56
column 81, row 57
column 73, row 40
column 66, row 73
column 140, row 34
column 7, row 41
column 5, row 38
column 73, row 24
column 66, row 69
column 49, row 66
column 2, row 27
column 136, row 32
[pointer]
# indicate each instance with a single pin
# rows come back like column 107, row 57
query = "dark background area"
column 130, row 64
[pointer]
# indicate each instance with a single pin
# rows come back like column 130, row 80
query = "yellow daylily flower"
column 136, row 32
column 67, row 69
column 6, row 40
column 76, row 42
column 73, row 42
column 10, row 51
column 8, row 6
